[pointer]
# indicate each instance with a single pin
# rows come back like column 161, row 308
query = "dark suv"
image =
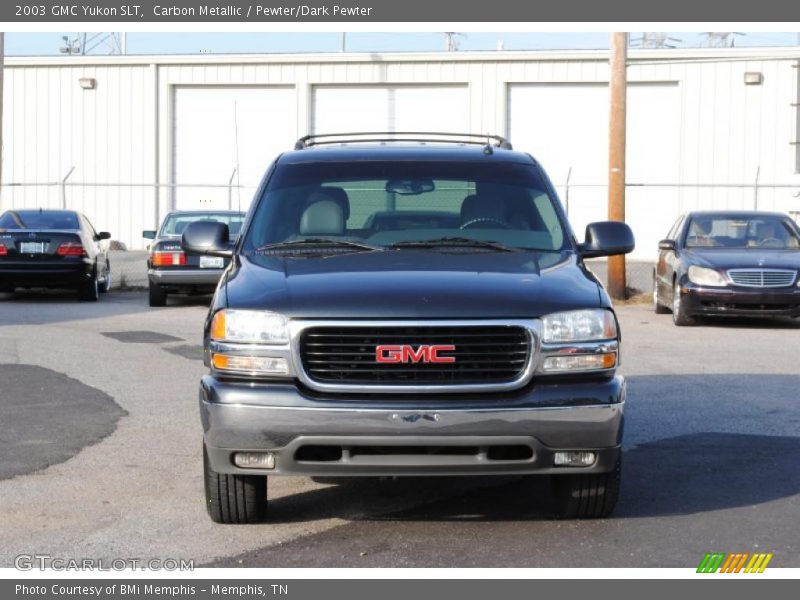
column 409, row 305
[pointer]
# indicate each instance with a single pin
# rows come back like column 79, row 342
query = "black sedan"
column 53, row 249
column 729, row 263
column 170, row 270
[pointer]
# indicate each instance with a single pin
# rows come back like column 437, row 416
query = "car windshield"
column 454, row 205
column 177, row 222
column 36, row 219
column 748, row 232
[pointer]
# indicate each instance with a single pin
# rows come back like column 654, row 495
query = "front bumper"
column 742, row 302
column 418, row 435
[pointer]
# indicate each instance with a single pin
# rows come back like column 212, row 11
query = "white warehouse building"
column 124, row 139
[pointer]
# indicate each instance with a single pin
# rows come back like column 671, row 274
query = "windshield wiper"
column 317, row 245
column 455, row 242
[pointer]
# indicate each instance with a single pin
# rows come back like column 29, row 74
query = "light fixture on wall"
column 88, row 83
column 753, row 78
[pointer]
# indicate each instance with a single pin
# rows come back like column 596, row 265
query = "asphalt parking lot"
column 101, row 446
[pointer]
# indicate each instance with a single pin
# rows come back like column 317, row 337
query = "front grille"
column 762, row 278
column 347, row 354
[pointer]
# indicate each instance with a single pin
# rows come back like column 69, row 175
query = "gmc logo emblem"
column 409, row 354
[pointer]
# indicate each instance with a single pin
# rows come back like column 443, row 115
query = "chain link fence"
column 126, row 209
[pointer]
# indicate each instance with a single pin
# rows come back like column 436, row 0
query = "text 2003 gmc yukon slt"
column 400, row 307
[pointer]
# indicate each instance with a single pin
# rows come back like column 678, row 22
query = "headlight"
column 579, row 326
column 249, row 326
column 706, row 276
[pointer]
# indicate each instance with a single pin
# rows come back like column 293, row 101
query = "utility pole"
column 2, row 70
column 618, row 60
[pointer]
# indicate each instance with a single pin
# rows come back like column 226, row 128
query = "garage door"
column 565, row 126
column 391, row 108
column 221, row 129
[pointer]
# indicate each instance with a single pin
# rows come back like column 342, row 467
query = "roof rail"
column 320, row 139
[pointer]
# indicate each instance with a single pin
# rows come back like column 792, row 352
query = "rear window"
column 176, row 223
column 383, row 203
column 34, row 219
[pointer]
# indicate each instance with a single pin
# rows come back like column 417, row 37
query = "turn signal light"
column 168, row 259
column 580, row 362
column 71, row 249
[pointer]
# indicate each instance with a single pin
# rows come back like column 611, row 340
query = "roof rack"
column 321, row 139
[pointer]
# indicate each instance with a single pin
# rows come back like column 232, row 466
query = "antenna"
column 451, row 41
column 655, row 39
column 102, row 43
column 721, row 39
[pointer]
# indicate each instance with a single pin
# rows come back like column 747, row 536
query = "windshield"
column 767, row 231
column 35, row 219
column 177, row 222
column 389, row 204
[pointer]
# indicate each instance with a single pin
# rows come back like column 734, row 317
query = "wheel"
column 679, row 315
column 89, row 291
column 106, row 286
column 158, row 297
column 587, row 496
column 659, row 308
column 234, row 499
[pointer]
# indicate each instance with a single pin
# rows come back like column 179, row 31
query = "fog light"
column 268, row 365
column 575, row 459
column 254, row 460
column 580, row 362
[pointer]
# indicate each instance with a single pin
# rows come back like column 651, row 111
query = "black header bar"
column 492, row 11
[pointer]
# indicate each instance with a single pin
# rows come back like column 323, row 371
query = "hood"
column 724, row 259
column 413, row 284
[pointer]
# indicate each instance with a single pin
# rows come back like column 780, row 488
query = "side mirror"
column 211, row 238
column 607, row 238
column 149, row 234
column 666, row 245
column 103, row 235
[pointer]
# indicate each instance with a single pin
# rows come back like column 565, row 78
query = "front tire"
column 106, row 287
column 234, row 499
column 587, row 496
column 158, row 297
column 679, row 315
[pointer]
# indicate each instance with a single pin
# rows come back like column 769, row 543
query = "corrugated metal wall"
column 122, row 133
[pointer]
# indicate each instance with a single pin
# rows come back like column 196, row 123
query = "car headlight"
column 579, row 326
column 249, row 326
column 705, row 276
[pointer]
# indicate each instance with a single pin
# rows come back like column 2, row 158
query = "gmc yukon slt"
column 408, row 304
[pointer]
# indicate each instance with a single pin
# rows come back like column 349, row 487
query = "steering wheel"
column 768, row 240
column 471, row 222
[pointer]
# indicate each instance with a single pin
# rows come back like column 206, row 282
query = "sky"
column 38, row 44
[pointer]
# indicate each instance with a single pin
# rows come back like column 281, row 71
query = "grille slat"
column 762, row 278
column 347, row 354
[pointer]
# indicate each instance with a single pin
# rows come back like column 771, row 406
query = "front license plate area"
column 211, row 262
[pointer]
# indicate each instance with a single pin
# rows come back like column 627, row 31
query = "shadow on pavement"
column 676, row 476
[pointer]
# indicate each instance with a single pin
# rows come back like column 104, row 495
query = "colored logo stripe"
column 734, row 563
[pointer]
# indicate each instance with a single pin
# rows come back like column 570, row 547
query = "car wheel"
column 587, row 496
column 89, row 291
column 158, row 297
column 234, row 499
column 659, row 308
column 106, row 287
column 679, row 315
